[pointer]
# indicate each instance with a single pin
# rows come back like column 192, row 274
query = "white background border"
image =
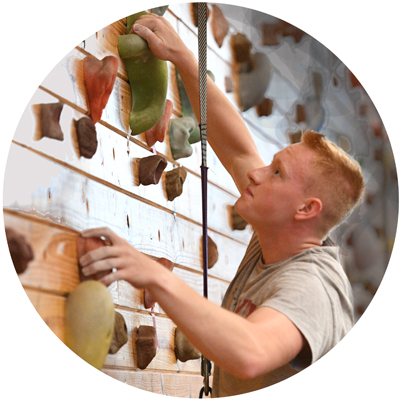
column 36, row 35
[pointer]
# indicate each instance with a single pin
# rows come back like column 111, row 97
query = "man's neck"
column 281, row 246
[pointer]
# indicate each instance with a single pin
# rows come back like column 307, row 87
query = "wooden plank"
column 81, row 203
column 113, row 164
column 51, row 309
column 55, row 265
column 177, row 385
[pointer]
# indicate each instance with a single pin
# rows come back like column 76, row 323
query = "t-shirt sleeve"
column 301, row 296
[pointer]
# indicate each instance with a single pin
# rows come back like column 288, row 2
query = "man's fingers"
column 99, row 254
column 102, row 265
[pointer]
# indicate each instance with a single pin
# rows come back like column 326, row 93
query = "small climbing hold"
column 120, row 335
column 160, row 11
column 300, row 113
column 271, row 34
column 49, row 121
column 174, row 180
column 264, row 109
column 184, row 350
column 99, row 77
column 146, row 348
column 219, row 25
column 149, row 302
column 179, row 132
column 212, row 252
column 148, row 79
column 237, row 221
column 89, row 322
column 295, row 137
column 194, row 13
column 151, row 169
column 159, row 130
column 86, row 137
column 84, row 245
column 20, row 250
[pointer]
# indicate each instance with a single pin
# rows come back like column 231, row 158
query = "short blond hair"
column 336, row 179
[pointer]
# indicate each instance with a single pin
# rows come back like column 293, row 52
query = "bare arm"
column 246, row 348
column 226, row 130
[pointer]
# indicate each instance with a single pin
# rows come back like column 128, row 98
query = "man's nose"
column 255, row 175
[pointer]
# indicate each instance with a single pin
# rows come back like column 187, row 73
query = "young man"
column 290, row 301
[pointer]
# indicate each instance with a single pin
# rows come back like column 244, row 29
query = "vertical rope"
column 202, row 43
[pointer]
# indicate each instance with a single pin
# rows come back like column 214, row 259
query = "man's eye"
column 277, row 172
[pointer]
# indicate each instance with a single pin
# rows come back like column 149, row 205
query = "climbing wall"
column 62, row 194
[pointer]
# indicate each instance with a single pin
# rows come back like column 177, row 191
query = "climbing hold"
column 264, row 109
column 84, row 245
column 271, row 34
column 212, row 252
column 49, row 121
column 120, row 335
column 86, row 137
column 251, row 72
column 174, row 180
column 184, row 350
column 187, row 110
column 151, row 169
column 237, row 221
column 148, row 79
column 149, row 302
column 295, row 137
column 20, row 250
column 179, row 132
column 160, row 11
column 194, row 13
column 159, row 130
column 89, row 322
column 219, row 25
column 146, row 348
column 99, row 77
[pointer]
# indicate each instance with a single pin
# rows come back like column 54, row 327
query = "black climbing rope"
column 202, row 44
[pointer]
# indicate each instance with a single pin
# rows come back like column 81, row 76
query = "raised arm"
column 226, row 131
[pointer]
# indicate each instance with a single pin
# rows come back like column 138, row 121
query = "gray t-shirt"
column 311, row 289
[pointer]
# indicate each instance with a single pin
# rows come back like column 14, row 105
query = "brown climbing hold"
column 241, row 51
column 228, row 84
column 212, row 252
column 219, row 25
column 194, row 13
column 50, row 121
column 237, row 221
column 300, row 113
column 120, row 335
column 159, row 130
column 151, row 169
column 264, row 109
column 83, row 246
column 149, row 302
column 99, row 77
column 294, row 137
column 174, row 180
column 86, row 137
column 20, row 250
column 146, row 348
column 184, row 350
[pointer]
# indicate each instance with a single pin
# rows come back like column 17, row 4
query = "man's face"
column 275, row 192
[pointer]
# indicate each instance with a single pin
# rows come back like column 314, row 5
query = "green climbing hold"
column 148, row 78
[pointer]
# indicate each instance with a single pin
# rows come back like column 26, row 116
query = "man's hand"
column 163, row 40
column 119, row 256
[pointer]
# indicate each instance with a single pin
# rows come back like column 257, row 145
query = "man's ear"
column 309, row 209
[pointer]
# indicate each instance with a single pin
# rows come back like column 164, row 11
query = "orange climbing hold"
column 99, row 77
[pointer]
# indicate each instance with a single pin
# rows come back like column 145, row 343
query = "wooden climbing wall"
column 62, row 194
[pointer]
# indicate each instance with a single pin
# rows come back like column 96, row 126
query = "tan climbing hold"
column 174, row 180
column 120, row 335
column 184, row 350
